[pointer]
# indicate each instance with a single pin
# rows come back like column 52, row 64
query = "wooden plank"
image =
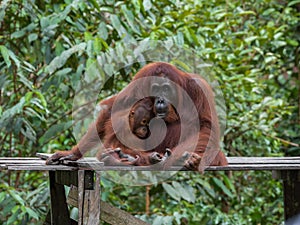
column 89, row 162
column 91, row 202
column 18, row 158
column 41, row 168
column 85, row 208
column 24, row 164
column 88, row 200
column 212, row 168
column 59, row 209
column 242, row 167
column 283, row 166
column 89, row 179
column 94, row 203
column 66, row 177
column 146, row 168
column 291, row 187
column 25, row 161
column 93, row 162
column 115, row 216
column 3, row 167
column 42, row 155
column 262, row 160
column 284, row 175
column 72, row 198
column 235, row 163
column 81, row 195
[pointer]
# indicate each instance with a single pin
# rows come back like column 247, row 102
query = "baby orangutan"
column 139, row 117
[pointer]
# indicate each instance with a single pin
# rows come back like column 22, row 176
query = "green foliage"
column 54, row 51
column 26, row 205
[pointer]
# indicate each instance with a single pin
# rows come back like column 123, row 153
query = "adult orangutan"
column 185, row 117
column 185, row 103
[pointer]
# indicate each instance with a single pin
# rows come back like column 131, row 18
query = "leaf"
column 60, row 61
column 270, row 59
column 25, row 81
column 32, row 37
column 117, row 25
column 250, row 39
column 41, row 98
column 179, row 39
column 28, row 130
column 185, row 192
column 247, row 13
column 167, row 220
column 130, row 19
column 3, row 7
column 158, row 220
column 5, row 55
column 88, row 36
column 268, row 12
column 31, row 113
column 3, row 81
column 2, row 196
column 23, row 31
column 251, row 80
column 97, row 45
column 147, row 5
column 220, row 185
column 102, row 31
column 294, row 43
column 32, row 213
column 171, row 191
column 89, row 48
column 109, row 69
column 13, row 217
column 229, row 183
column 293, row 3
column 30, row 68
column 14, row 110
column 17, row 197
column 54, row 130
column 208, row 190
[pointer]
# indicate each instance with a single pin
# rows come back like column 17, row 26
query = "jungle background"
column 46, row 47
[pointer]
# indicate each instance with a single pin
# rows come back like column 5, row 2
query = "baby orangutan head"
column 139, row 117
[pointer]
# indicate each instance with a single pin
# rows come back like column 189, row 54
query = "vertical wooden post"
column 88, row 199
column 291, row 188
column 59, row 208
column 94, row 202
column 291, row 192
column 81, row 196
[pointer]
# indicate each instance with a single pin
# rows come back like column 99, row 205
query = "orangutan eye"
column 166, row 88
column 144, row 122
column 155, row 89
column 131, row 113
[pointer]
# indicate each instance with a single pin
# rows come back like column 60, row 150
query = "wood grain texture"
column 91, row 163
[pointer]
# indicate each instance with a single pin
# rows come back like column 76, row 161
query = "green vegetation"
column 49, row 50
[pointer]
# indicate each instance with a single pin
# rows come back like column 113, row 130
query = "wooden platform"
column 83, row 176
column 235, row 163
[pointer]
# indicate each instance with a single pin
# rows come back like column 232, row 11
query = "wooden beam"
column 88, row 199
column 291, row 192
column 115, row 216
column 59, row 209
